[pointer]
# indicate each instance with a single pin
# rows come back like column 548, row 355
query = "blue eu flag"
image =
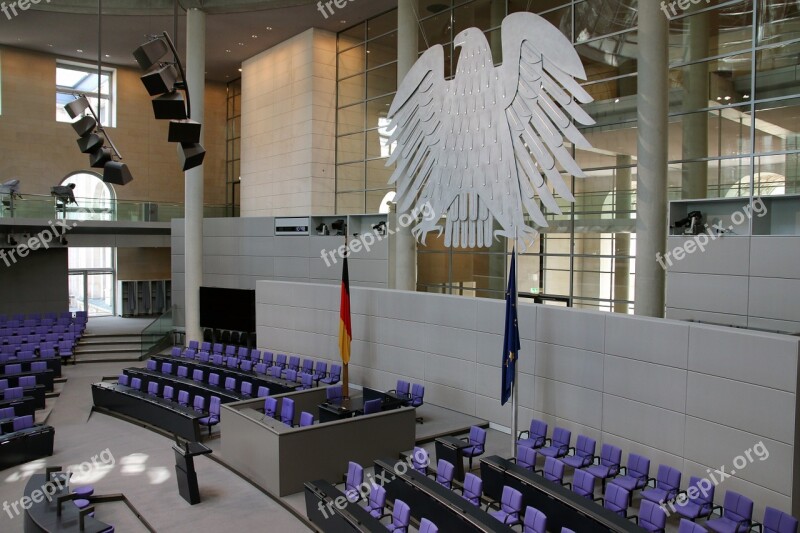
column 511, row 341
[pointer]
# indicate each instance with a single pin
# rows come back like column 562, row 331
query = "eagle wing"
column 541, row 96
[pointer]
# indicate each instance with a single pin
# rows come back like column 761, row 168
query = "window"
column 75, row 78
column 95, row 198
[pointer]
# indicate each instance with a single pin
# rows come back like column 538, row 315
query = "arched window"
column 96, row 198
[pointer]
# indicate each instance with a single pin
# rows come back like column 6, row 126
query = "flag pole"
column 346, row 366
column 514, row 390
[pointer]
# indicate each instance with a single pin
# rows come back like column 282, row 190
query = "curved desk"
column 42, row 516
column 192, row 387
column 18, row 447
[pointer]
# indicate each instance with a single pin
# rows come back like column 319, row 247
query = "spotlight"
column 64, row 194
column 76, row 107
column 184, row 131
column 90, row 143
column 191, row 155
column 10, row 187
column 63, row 241
column 160, row 80
column 322, row 229
column 380, row 227
column 170, row 106
column 340, row 226
column 11, row 240
column 117, row 173
column 99, row 158
column 84, row 126
column 150, row 53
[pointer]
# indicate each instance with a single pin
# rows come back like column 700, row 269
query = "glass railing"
column 46, row 207
column 156, row 336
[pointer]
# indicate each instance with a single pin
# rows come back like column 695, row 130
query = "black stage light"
column 76, row 107
column 160, row 80
column 90, row 143
column 99, row 158
column 322, row 229
column 150, row 53
column 117, row 173
column 84, row 126
column 184, row 131
column 170, row 106
column 191, row 155
column 340, row 226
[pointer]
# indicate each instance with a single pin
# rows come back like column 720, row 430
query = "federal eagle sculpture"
column 479, row 147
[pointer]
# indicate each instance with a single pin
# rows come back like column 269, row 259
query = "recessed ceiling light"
column 254, row 36
column 228, row 51
column 108, row 55
column 240, row 70
column 50, row 45
column 241, row 44
column 616, row 101
column 343, row 21
column 79, row 51
column 269, row 28
column 746, row 96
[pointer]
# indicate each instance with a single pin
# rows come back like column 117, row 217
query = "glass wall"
column 733, row 111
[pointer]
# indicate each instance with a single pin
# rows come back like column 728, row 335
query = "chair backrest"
column 199, row 403
column 307, row 380
column 611, row 456
column 553, row 470
column 561, row 437
column 136, row 383
column 306, row 419
column 197, row 375
column 166, row 368
column 152, row 365
column 652, row 516
column 321, row 368
column 267, row 358
column 417, row 394
column 377, row 498
column 246, row 388
column 255, row 355
column 616, row 499
column 260, row 368
column 308, row 366
column 281, row 360
column 27, row 381
column 242, row 353
column 14, row 368
column 204, row 357
column 246, row 365
column 216, row 359
column 23, row 422
column 403, row 387
column 401, row 514
column 703, row 493
column 526, row 457
column 270, row 406
column 36, row 366
column 334, row 393
column 426, row 526
column 123, row 380
column 336, row 372
column 183, row 371
column 176, row 351
column 214, row 409
column 511, row 501
column 169, row 392
column 183, row 397
column 291, row 375
column 263, row 391
column 6, row 413
column 776, row 521
column 355, row 476
column 287, row 411
column 534, row 522
column 538, row 429
column 585, row 446
column 583, row 483
column 668, row 478
column 230, row 383
column 275, row 371
column 477, row 437
column 205, row 346
column 152, row 388
column 737, row 507
column 213, row 379
column 194, row 345
column 232, row 362
column 420, row 460
column 12, row 393
column 687, row 526
column 444, row 473
column 473, row 488
column 372, row 406
column 638, row 466
column 217, row 348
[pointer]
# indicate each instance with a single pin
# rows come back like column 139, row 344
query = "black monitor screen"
column 233, row 309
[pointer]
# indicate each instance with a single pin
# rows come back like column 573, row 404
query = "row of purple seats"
column 16, row 368
column 245, row 388
column 21, row 422
column 286, row 413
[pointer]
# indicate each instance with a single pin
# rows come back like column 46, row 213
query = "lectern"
column 184, row 469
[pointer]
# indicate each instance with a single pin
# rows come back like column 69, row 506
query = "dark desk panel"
column 169, row 416
column 22, row 406
column 428, row 499
column 26, row 445
column 352, row 517
column 192, row 387
column 43, row 516
column 354, row 405
column 562, row 507
column 42, row 378
column 451, row 449
column 276, row 386
column 53, row 363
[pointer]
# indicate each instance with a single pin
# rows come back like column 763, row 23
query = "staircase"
column 102, row 348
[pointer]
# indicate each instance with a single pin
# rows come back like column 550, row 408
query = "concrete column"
column 193, row 255
column 622, row 241
column 651, row 189
column 405, row 247
column 695, row 126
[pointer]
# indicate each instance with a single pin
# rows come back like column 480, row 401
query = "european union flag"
column 511, row 341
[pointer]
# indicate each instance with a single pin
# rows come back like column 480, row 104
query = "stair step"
column 98, row 342
column 109, row 350
column 92, row 336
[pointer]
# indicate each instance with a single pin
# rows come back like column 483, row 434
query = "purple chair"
column 169, row 392
column 23, row 422
column 263, row 392
column 510, row 507
column 152, row 388
column 267, row 358
column 205, row 346
column 260, row 368
column 291, row 375
column 275, row 371
column 376, row 501
column 334, row 394
column 420, row 460
column 372, row 406
column 287, row 411
column 537, row 435
column 217, row 359
column 668, row 482
column 281, row 360
column 583, row 484
column 776, row 521
column 14, row 368
column 737, row 514
column 123, row 380
column 242, row 353
column 635, row 475
column 176, row 351
column 417, row 396
column 401, row 517
column 307, row 382
column 230, row 384
column 609, row 463
column 7, row 413
column 700, row 500
column 183, row 398
column 559, row 446
column 426, row 526
column 534, row 521
column 246, row 366
column 690, row 527
column 652, row 517
column 197, row 375
column 270, row 406
column 37, row 366
column 255, row 356
column 616, row 499
column 232, row 362
column 27, row 382
column 204, row 357
column 152, row 365
column 334, row 376
column 194, row 345
column 321, row 371
column 477, row 442
column 308, row 366
column 246, row 389
column 553, row 470
column 353, row 479
column 526, row 457
column 199, row 403
column 136, row 383
column 230, row 351
column 472, row 489
column 444, row 473
column 213, row 379
column 217, row 348
column 183, row 372
column 13, row 393
column 306, row 419
column 213, row 414
column 583, row 453
column 166, row 368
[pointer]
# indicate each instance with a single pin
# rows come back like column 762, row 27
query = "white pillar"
column 193, row 255
column 651, row 189
column 404, row 256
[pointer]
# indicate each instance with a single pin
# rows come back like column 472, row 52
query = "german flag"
column 345, row 329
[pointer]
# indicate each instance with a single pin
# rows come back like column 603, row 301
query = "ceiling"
column 236, row 30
